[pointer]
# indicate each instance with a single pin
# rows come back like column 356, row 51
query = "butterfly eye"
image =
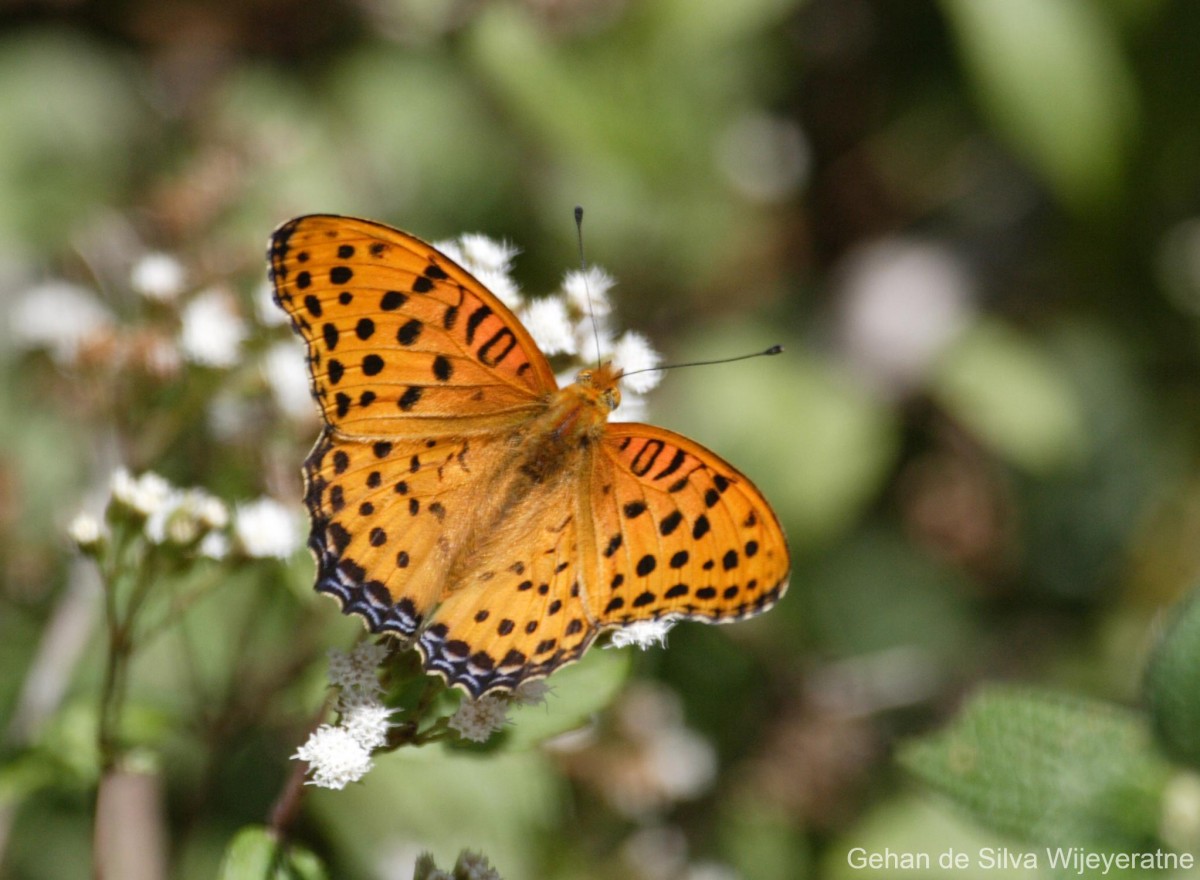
column 612, row 398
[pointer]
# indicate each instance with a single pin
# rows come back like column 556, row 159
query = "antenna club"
column 774, row 349
column 579, row 213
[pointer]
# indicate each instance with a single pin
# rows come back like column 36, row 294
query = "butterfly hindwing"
column 401, row 340
column 447, row 541
column 383, row 521
column 680, row 533
column 520, row 614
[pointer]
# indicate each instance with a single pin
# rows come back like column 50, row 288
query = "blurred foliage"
column 973, row 225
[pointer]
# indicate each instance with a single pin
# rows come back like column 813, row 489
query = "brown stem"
column 287, row 805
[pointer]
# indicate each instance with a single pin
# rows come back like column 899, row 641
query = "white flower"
column 209, row 510
column 158, row 276
column 334, row 757
column 476, row 720
column 594, row 339
column 365, row 718
column 85, row 530
column 480, row 252
column 358, row 670
column 633, row 352
column 214, row 545
column 547, row 321
column 451, row 248
column 369, row 655
column 633, row 408
column 212, row 332
column 587, row 291
column 286, row 372
column 147, row 494
column 184, row 516
column 474, row 866
column 60, row 317
column 266, row 309
column 265, row 527
column 643, row 633
column 501, row 284
column 530, row 693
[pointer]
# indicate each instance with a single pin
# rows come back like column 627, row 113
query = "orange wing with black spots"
column 383, row 521
column 401, row 340
column 461, row 500
column 523, row 613
column 680, row 533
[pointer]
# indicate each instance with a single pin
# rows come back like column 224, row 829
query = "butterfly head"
column 600, row 384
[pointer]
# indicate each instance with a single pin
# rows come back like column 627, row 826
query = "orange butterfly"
column 460, row 498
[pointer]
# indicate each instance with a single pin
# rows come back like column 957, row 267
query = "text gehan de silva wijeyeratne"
column 1072, row 859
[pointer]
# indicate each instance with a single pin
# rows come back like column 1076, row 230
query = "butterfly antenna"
column 774, row 349
column 583, row 272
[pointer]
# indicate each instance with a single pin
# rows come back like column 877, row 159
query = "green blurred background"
column 974, row 225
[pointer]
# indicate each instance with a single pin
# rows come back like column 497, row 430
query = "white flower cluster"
column 574, row 321
column 470, row 866
column 474, row 866
column 211, row 330
column 340, row 754
column 172, row 515
column 64, row 318
column 193, row 517
column 185, row 516
column 145, row 494
column 477, row 720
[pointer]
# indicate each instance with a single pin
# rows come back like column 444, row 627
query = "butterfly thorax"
column 548, row 456
column 600, row 385
column 574, row 418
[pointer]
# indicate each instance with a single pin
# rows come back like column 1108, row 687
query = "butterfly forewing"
column 401, row 340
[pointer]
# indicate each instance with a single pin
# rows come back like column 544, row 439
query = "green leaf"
column 255, row 854
column 26, row 773
column 1048, row 768
column 1015, row 397
column 577, row 692
column 1172, row 685
column 1051, row 75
